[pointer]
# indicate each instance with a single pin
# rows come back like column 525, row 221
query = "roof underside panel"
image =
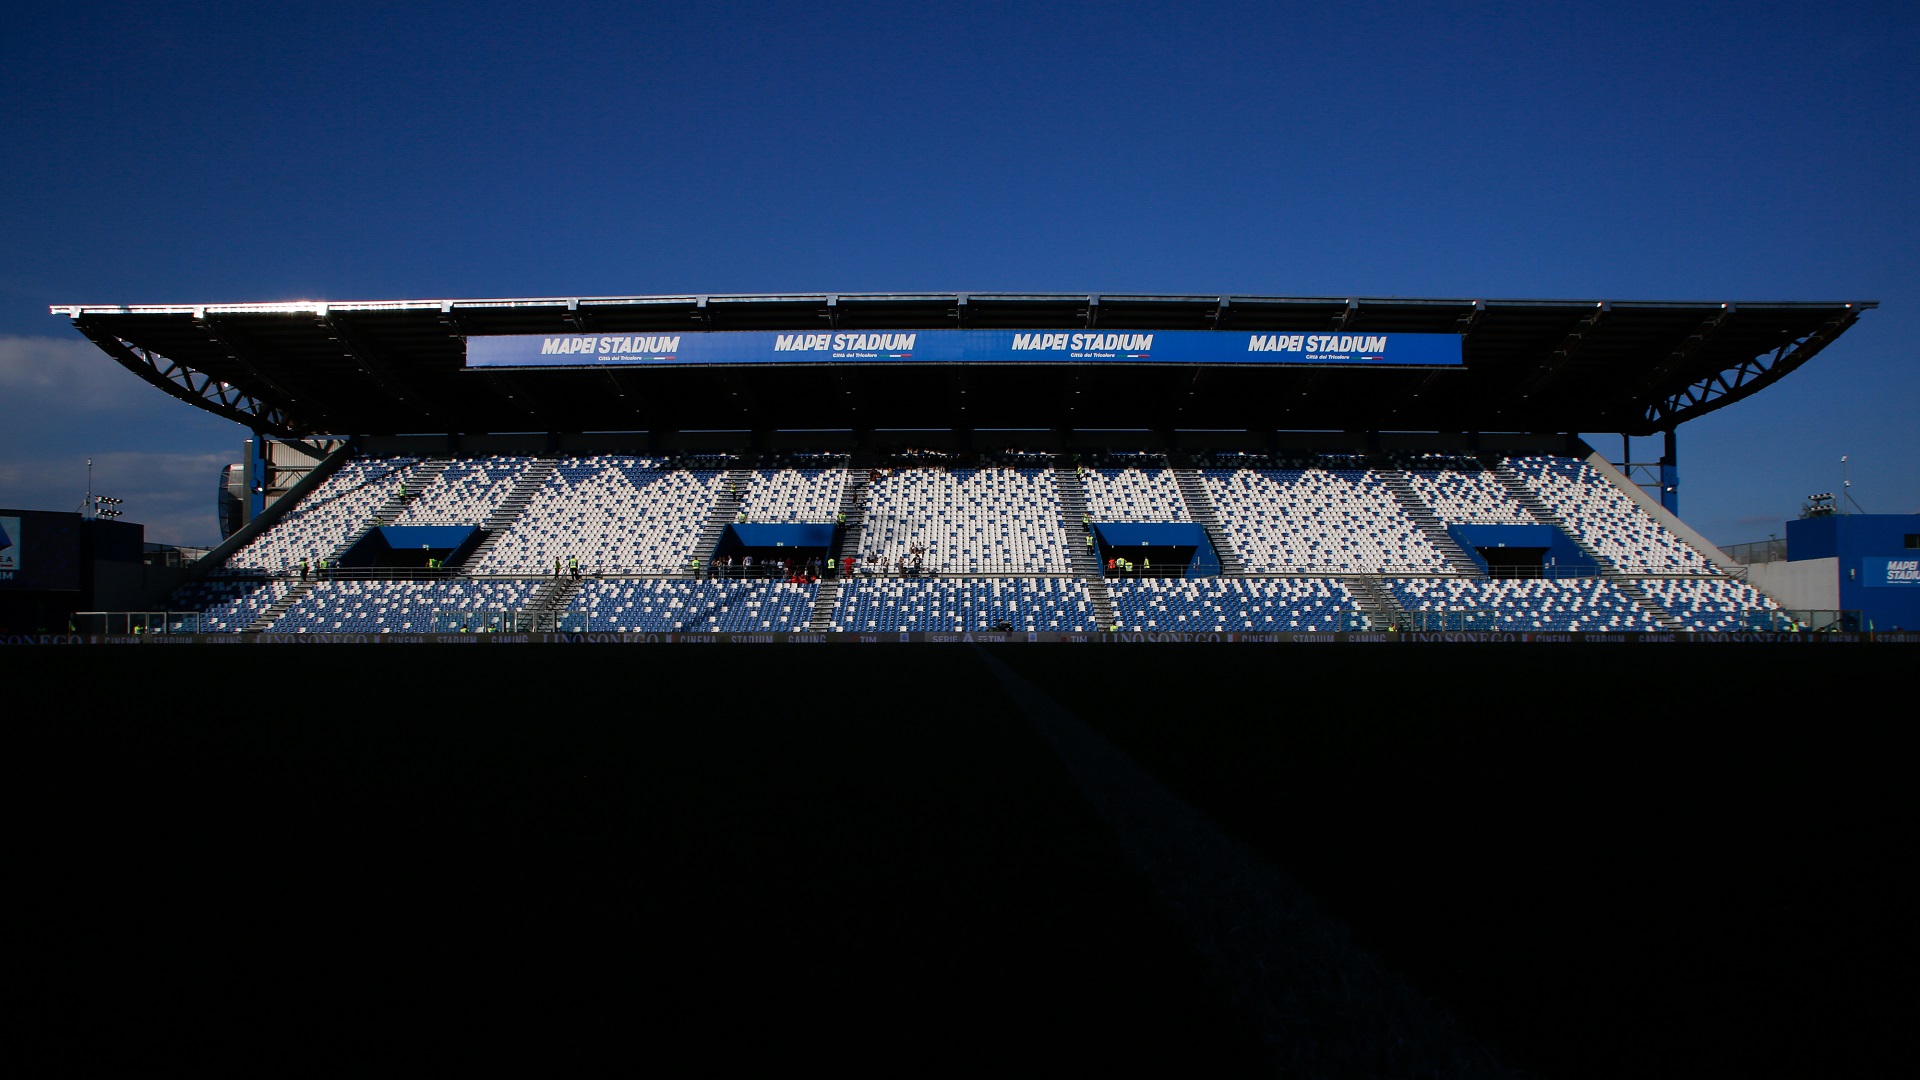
column 1530, row 365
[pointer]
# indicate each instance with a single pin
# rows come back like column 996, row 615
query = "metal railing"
column 137, row 623
column 1759, row 551
column 1801, row 620
column 342, row 573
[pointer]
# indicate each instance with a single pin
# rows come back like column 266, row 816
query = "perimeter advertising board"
column 965, row 346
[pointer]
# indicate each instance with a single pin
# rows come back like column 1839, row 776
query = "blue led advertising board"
column 965, row 346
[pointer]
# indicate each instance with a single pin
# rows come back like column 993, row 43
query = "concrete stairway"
column 1193, row 492
column 280, row 607
column 853, row 509
column 549, row 600
column 1661, row 617
column 726, row 507
column 510, row 509
column 1428, row 522
column 412, row 484
column 822, row 618
column 1375, row 601
column 1085, row 560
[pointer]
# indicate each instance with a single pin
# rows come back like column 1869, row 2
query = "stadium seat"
column 1056, row 604
column 1208, row 604
column 1317, row 515
column 611, row 514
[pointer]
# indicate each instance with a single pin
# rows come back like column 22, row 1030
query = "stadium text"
column 1084, row 342
column 1318, row 343
column 609, row 346
column 842, row 342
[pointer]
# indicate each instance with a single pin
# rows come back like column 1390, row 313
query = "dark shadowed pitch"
column 1466, row 860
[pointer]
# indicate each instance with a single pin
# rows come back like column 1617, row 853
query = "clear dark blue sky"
column 233, row 152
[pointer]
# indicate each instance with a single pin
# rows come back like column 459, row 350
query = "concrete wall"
column 1810, row 583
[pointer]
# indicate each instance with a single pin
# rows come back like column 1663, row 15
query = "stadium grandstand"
column 1051, row 467
column 1461, row 841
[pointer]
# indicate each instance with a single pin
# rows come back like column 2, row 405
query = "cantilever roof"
column 388, row 367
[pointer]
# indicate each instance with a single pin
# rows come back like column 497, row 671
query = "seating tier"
column 1461, row 491
column 228, row 605
column 959, row 604
column 1217, row 603
column 967, row 520
column 793, row 494
column 466, row 492
column 658, row 607
column 611, row 513
column 1311, row 518
column 1606, row 519
column 1709, row 603
column 1589, row 604
column 342, row 505
column 389, row 607
column 1136, row 487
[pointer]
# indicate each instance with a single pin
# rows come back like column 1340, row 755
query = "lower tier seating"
column 1218, row 603
column 1526, row 604
column 397, row 607
column 1711, row 604
column 659, row 607
column 956, row 604
column 227, row 605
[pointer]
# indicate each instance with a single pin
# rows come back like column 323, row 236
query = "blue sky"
column 230, row 152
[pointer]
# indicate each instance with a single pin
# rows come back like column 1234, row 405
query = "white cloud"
column 72, row 374
column 63, row 401
column 173, row 495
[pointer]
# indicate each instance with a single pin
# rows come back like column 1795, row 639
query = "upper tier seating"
column 1461, row 491
column 1526, row 604
column 343, row 504
column 467, row 492
column 798, row 487
column 1315, row 517
column 1710, row 603
column 393, row 607
column 959, row 604
column 1132, row 487
column 612, row 513
column 992, row 519
column 1606, row 519
column 1218, row 603
column 227, row 605
column 658, row 607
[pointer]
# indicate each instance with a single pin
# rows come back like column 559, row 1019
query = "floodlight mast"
column 1846, row 488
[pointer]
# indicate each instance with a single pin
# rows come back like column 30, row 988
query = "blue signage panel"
column 1880, row 572
column 965, row 346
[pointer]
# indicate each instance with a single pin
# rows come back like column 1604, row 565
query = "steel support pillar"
column 257, row 478
column 1670, row 475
